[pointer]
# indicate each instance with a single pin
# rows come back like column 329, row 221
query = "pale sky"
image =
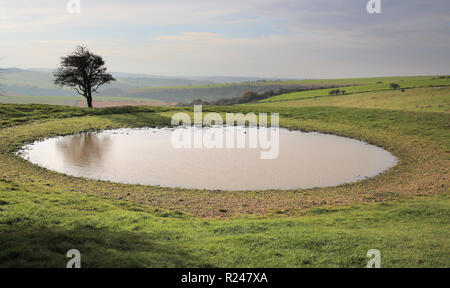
column 262, row 38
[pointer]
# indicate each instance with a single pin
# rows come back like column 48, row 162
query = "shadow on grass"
column 43, row 247
column 14, row 114
column 142, row 119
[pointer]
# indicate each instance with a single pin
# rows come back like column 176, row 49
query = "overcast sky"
column 274, row 38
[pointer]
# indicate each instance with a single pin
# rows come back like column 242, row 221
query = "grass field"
column 434, row 99
column 365, row 85
column 404, row 212
column 67, row 100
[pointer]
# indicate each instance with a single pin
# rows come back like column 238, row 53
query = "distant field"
column 75, row 100
column 213, row 92
column 45, row 80
column 51, row 100
column 351, row 81
column 373, row 84
column 26, row 84
column 435, row 99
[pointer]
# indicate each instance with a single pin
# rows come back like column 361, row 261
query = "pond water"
column 148, row 156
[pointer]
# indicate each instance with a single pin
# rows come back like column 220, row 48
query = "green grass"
column 25, row 113
column 51, row 100
column 364, row 85
column 434, row 99
column 39, row 228
column 209, row 92
column 365, row 81
column 403, row 212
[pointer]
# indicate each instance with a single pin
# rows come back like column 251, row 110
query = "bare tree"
column 84, row 71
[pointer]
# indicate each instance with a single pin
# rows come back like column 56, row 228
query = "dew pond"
column 148, row 156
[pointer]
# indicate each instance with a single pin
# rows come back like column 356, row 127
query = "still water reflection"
column 83, row 150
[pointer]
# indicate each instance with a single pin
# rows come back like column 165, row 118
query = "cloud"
column 190, row 36
column 290, row 38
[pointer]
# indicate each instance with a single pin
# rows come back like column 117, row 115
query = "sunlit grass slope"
column 436, row 99
column 374, row 84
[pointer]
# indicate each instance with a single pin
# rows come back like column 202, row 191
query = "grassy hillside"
column 404, row 212
column 213, row 92
column 36, row 87
column 24, row 86
column 375, row 84
column 434, row 99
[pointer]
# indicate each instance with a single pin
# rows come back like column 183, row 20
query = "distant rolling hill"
column 206, row 92
column 36, row 85
column 43, row 78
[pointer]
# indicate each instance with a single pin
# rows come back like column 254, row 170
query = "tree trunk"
column 89, row 100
